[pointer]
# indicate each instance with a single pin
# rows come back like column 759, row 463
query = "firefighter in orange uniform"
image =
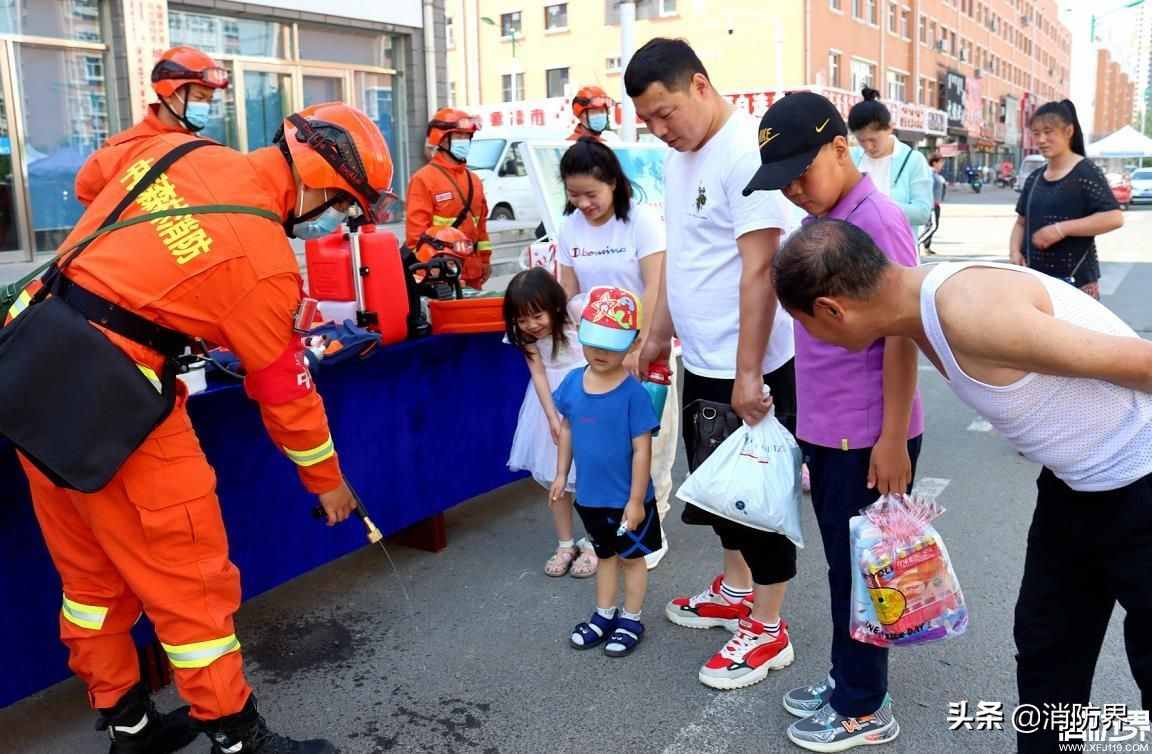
column 185, row 81
column 153, row 540
column 438, row 191
column 592, row 107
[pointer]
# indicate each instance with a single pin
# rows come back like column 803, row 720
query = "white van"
column 1031, row 163
column 496, row 157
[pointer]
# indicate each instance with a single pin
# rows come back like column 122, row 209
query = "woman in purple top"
column 859, row 417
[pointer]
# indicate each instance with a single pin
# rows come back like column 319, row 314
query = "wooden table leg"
column 429, row 535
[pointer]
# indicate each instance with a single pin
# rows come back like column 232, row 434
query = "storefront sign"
column 1011, row 110
column 146, row 38
column 974, row 106
column 949, row 150
column 952, row 92
column 935, row 122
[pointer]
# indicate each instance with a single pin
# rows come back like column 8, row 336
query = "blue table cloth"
column 419, row 427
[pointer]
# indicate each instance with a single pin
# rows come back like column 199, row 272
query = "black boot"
column 135, row 726
column 246, row 733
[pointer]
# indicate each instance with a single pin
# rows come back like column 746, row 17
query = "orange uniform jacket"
column 581, row 133
column 230, row 279
column 435, row 201
column 102, row 165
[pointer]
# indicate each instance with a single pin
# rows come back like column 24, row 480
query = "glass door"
column 267, row 99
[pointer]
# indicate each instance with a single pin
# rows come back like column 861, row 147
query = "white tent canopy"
column 1127, row 142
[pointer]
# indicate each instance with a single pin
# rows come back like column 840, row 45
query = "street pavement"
column 467, row 650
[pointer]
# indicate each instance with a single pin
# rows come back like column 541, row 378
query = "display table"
column 419, row 427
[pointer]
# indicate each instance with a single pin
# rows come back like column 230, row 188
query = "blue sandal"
column 624, row 639
column 592, row 633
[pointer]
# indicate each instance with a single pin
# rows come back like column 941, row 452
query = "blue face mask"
column 321, row 225
column 196, row 114
column 598, row 121
column 459, row 148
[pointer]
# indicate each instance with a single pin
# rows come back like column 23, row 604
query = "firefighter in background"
column 438, row 191
column 153, row 540
column 593, row 109
column 185, row 81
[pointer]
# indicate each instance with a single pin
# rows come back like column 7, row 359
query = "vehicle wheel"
column 503, row 213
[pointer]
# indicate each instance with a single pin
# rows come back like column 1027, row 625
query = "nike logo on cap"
column 820, row 128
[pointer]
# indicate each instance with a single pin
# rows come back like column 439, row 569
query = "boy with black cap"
column 859, row 417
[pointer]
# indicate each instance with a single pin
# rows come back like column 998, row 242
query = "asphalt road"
column 477, row 659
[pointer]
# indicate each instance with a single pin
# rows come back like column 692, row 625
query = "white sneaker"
column 653, row 559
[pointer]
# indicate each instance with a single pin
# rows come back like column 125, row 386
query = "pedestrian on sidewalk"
column 607, row 239
column 859, row 416
column 717, row 291
column 939, row 191
column 1063, row 207
column 897, row 170
column 540, row 321
column 607, row 427
column 1028, row 353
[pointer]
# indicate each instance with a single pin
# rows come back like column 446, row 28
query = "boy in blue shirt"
column 608, row 423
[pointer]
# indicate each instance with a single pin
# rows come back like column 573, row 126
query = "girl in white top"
column 608, row 239
column 541, row 322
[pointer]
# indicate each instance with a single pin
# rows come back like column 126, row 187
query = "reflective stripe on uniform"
column 20, row 304
column 440, row 221
column 85, row 616
column 201, row 654
column 484, row 246
column 313, row 456
column 151, row 375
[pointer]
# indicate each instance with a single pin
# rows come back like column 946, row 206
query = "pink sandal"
column 561, row 561
column 585, row 565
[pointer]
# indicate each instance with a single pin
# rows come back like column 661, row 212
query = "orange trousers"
column 153, row 540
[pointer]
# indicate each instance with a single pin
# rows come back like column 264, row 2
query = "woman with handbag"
column 1064, row 206
column 898, row 171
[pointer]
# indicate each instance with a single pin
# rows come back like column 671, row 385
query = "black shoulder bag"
column 74, row 403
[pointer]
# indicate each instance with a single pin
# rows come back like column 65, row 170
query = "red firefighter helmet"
column 181, row 66
column 591, row 98
column 449, row 120
column 445, row 240
column 335, row 146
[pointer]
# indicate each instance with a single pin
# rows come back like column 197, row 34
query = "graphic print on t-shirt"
column 578, row 251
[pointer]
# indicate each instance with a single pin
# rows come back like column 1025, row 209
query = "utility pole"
column 627, row 47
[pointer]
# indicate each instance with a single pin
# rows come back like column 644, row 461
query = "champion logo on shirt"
column 607, row 251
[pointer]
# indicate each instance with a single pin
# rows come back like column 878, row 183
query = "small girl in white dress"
column 539, row 320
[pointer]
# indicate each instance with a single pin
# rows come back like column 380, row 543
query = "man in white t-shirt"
column 717, row 296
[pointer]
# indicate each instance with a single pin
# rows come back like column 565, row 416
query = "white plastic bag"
column 752, row 478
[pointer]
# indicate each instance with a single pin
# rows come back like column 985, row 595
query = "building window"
column 952, row 43
column 510, row 25
column 556, row 82
column 858, row 9
column 835, row 5
column 897, row 86
column 872, row 12
column 94, row 69
column 834, row 69
column 923, row 30
column 612, row 64
column 556, row 17
column 667, row 7
column 893, row 17
column 513, row 86
column 905, row 24
column 449, row 33
column 863, row 74
column 451, row 94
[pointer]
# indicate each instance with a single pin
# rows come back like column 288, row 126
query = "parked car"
column 1141, row 185
column 1029, row 164
column 498, row 159
column 1121, row 188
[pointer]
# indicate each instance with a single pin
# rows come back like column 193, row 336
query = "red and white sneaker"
column 707, row 609
column 748, row 657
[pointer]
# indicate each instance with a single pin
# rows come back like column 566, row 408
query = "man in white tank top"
column 1029, row 353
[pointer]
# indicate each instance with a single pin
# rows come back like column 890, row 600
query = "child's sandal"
column 592, row 633
column 585, row 565
column 624, row 638
column 560, row 562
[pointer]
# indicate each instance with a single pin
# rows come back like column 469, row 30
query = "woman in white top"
column 607, row 239
column 898, row 171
